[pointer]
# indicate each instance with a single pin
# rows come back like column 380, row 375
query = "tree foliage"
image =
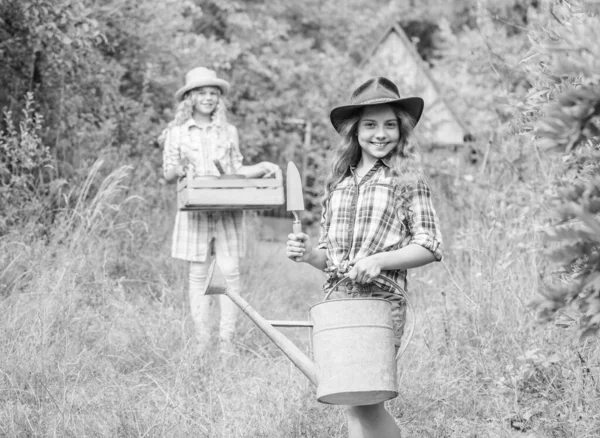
column 563, row 111
column 87, row 79
column 103, row 73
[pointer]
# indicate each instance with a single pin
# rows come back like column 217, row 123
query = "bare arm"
column 411, row 256
column 408, row 257
column 263, row 169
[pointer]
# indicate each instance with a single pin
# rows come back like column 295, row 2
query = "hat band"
column 378, row 100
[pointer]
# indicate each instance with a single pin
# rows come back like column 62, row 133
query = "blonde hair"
column 185, row 108
column 403, row 159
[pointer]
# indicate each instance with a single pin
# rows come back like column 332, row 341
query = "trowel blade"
column 294, row 198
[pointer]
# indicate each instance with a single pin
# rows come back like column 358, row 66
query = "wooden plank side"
column 233, row 183
column 213, row 199
column 227, row 207
column 219, row 194
column 234, row 196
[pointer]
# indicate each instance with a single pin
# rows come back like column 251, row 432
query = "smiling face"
column 205, row 99
column 378, row 132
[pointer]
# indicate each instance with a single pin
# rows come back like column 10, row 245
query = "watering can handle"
column 334, row 286
column 408, row 303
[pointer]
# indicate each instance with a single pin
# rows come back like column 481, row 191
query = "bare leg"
column 372, row 421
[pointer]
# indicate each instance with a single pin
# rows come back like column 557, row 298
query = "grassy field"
column 96, row 341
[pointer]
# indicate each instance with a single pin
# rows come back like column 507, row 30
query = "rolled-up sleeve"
column 322, row 243
column 171, row 150
column 423, row 222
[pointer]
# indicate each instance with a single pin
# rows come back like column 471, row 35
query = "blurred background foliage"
column 86, row 80
column 94, row 332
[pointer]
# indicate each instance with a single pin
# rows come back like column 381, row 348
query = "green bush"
column 27, row 190
column 563, row 110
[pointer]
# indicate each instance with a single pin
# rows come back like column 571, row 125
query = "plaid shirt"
column 195, row 230
column 189, row 143
column 378, row 214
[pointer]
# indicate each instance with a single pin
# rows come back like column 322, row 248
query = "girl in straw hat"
column 198, row 135
column 378, row 217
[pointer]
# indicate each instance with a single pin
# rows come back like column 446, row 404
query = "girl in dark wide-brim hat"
column 378, row 217
column 198, row 135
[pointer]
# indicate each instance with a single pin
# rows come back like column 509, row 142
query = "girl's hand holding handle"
column 365, row 271
column 269, row 169
column 181, row 169
column 175, row 173
column 299, row 247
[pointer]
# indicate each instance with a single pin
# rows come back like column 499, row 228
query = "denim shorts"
column 356, row 290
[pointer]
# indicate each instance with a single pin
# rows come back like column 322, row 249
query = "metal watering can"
column 353, row 345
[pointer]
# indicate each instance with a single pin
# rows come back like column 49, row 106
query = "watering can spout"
column 215, row 284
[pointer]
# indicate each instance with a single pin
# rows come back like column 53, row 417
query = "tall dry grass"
column 96, row 341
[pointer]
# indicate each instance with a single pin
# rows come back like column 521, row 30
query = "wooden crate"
column 228, row 193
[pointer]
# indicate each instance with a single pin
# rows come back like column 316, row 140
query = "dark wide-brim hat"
column 376, row 91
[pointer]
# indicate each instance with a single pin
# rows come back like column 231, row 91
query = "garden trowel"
column 294, row 198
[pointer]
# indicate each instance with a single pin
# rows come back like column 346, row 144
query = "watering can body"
column 353, row 351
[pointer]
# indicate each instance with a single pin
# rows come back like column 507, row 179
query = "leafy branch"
column 565, row 116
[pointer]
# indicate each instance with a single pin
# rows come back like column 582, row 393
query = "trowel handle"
column 297, row 228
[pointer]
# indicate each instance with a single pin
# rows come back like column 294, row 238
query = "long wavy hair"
column 404, row 159
column 185, row 108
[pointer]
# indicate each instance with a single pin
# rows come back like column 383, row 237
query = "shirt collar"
column 191, row 122
column 385, row 161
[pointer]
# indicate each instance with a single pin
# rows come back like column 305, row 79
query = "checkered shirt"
column 378, row 214
column 194, row 230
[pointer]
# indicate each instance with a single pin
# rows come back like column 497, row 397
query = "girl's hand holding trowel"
column 182, row 167
column 299, row 247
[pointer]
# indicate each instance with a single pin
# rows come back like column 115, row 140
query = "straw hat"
column 201, row 77
column 376, row 91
